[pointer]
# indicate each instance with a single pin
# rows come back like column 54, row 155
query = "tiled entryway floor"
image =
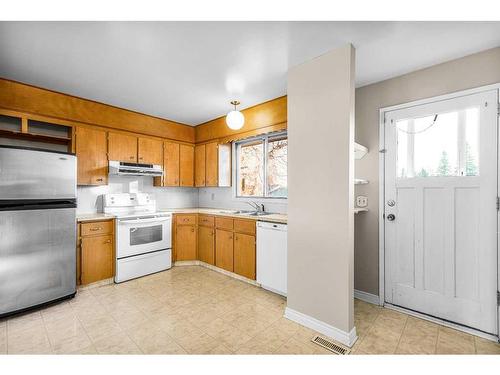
column 192, row 309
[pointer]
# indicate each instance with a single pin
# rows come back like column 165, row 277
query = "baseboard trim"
column 367, row 297
column 96, row 284
column 345, row 338
column 216, row 269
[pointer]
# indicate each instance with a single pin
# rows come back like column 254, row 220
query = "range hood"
column 121, row 168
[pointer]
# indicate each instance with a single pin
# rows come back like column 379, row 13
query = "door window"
column 444, row 144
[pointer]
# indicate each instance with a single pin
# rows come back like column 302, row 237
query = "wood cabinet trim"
column 34, row 100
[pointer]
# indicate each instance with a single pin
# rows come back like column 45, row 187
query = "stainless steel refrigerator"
column 37, row 227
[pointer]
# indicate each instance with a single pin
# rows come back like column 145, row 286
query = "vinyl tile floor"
column 194, row 310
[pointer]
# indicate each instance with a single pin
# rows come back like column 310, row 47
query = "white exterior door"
column 440, row 209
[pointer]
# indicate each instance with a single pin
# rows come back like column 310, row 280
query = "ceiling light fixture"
column 235, row 118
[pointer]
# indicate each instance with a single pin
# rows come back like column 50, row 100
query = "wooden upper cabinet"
column 244, row 255
column 186, row 165
column 199, row 165
column 212, row 164
column 185, row 242
column 224, row 249
column 91, row 150
column 122, row 147
column 150, row 151
column 170, row 164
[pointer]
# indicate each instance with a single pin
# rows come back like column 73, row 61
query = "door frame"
column 381, row 163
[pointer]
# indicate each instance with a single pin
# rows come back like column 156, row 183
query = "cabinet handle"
column 230, row 237
column 140, row 158
column 99, row 179
column 95, row 229
column 192, row 229
column 108, row 241
column 131, row 157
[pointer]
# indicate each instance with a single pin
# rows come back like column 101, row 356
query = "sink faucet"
column 258, row 207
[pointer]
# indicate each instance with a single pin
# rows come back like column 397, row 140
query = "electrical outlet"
column 361, row 201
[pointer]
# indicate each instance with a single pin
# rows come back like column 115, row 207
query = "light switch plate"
column 361, row 201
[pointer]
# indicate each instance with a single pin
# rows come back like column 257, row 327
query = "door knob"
column 391, row 217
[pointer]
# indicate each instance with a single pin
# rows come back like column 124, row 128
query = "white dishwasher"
column 272, row 256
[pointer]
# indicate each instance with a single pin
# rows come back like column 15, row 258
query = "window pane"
column 251, row 169
column 472, row 142
column 426, row 148
column 277, row 167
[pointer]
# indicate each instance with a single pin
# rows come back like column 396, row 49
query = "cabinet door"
column 199, row 165
column 185, row 242
column 186, row 156
column 150, row 151
column 244, row 255
column 224, row 249
column 97, row 258
column 206, row 245
column 91, row 150
column 122, row 147
column 212, row 164
column 171, row 164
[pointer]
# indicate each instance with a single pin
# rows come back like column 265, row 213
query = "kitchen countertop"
column 82, row 218
column 275, row 218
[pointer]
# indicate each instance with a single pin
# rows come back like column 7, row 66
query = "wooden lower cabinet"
column 96, row 254
column 185, row 242
column 224, row 242
column 206, row 244
column 244, row 255
column 224, row 249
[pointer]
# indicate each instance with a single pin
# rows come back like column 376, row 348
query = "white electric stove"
column 143, row 235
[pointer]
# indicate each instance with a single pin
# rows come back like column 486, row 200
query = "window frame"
column 265, row 140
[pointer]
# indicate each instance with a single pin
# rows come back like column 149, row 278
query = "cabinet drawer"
column 97, row 227
column 185, row 219
column 224, row 223
column 244, row 226
column 205, row 220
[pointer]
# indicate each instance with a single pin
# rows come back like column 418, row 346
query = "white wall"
column 320, row 194
column 468, row 72
column 223, row 198
column 166, row 197
column 171, row 197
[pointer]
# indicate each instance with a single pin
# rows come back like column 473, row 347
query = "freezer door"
column 33, row 174
column 37, row 257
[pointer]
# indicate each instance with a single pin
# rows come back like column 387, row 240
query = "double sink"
column 245, row 212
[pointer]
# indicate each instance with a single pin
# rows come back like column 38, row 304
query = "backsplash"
column 166, row 197
column 223, row 198
column 170, row 197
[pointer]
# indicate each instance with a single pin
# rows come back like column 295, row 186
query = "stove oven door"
column 143, row 235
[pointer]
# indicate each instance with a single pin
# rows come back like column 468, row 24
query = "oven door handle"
column 144, row 221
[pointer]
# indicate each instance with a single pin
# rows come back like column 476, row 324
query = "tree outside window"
column 261, row 167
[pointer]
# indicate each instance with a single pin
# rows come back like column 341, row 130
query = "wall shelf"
column 359, row 151
column 360, row 181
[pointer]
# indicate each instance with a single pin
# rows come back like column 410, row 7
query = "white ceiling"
column 190, row 71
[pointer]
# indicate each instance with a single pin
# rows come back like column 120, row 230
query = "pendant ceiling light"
column 235, row 118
